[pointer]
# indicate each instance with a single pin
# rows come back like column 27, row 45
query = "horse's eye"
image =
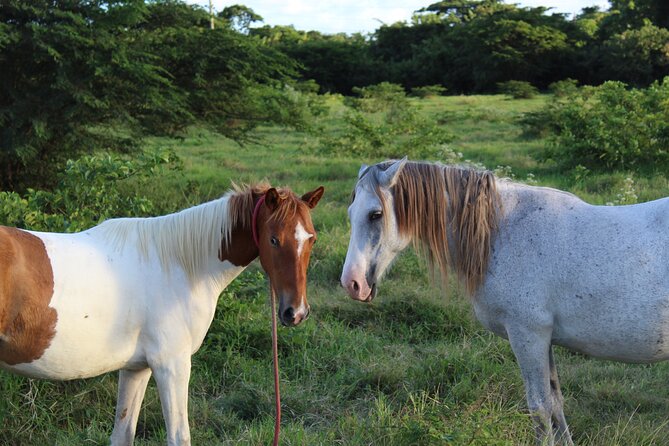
column 274, row 241
column 375, row 215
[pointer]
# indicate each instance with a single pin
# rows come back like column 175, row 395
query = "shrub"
column 518, row 89
column 90, row 190
column 428, row 91
column 564, row 87
column 396, row 134
column 381, row 97
column 605, row 127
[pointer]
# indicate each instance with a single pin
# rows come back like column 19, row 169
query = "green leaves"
column 383, row 123
column 605, row 127
column 80, row 76
column 90, row 190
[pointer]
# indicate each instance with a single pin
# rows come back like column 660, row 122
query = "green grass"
column 412, row 368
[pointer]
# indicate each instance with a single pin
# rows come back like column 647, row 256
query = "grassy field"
column 412, row 368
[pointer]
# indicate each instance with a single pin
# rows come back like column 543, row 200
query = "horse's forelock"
column 242, row 204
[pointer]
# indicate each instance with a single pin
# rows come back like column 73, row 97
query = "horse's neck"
column 518, row 199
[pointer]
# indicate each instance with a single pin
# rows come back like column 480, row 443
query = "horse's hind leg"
column 131, row 388
column 531, row 347
column 559, row 421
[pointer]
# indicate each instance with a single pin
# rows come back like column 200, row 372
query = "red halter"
column 254, row 221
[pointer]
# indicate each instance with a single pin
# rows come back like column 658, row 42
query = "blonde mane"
column 435, row 203
column 193, row 236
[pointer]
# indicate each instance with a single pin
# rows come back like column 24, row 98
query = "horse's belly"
column 81, row 349
column 641, row 352
column 626, row 336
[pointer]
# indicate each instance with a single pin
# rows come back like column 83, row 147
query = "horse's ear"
column 362, row 170
column 272, row 199
column 312, row 198
column 388, row 177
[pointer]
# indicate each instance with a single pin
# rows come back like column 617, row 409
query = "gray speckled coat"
column 594, row 279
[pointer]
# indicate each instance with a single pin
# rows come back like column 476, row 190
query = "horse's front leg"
column 172, row 375
column 531, row 347
column 559, row 421
column 131, row 388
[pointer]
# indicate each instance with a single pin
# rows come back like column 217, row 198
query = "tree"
column 240, row 17
column 630, row 14
column 70, row 76
column 636, row 56
column 81, row 75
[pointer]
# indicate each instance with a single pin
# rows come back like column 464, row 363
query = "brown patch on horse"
column 240, row 250
column 433, row 201
column 27, row 323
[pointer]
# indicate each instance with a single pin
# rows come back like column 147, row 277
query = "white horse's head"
column 375, row 236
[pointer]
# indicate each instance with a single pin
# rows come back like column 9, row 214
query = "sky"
column 365, row 16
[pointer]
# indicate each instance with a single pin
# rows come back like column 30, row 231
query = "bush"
column 606, row 127
column 382, row 123
column 428, row 91
column 380, row 97
column 90, row 190
column 364, row 137
column 518, row 89
column 564, row 87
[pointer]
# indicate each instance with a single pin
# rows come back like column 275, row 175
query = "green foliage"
column 384, row 123
column 380, row 97
column 90, row 190
column 72, row 74
column 470, row 46
column 338, row 63
column 610, row 126
column 228, row 81
column 637, row 56
column 80, row 76
column 564, row 87
column 625, row 14
column 428, row 91
column 240, row 17
column 518, row 89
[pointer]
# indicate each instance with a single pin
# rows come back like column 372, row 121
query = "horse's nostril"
column 288, row 315
column 356, row 287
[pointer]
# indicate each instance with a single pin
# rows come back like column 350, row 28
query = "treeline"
column 78, row 76
column 470, row 46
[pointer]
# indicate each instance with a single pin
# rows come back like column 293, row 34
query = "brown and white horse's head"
column 285, row 236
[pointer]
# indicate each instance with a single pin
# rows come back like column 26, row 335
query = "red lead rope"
column 275, row 347
column 275, row 352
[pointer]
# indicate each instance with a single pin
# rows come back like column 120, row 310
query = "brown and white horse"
column 138, row 294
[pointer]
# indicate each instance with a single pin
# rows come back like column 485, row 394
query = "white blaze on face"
column 301, row 235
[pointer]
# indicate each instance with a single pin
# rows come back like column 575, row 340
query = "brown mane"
column 434, row 202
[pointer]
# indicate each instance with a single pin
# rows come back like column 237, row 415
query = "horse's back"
column 596, row 276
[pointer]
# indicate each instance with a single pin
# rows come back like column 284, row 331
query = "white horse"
column 139, row 294
column 542, row 267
